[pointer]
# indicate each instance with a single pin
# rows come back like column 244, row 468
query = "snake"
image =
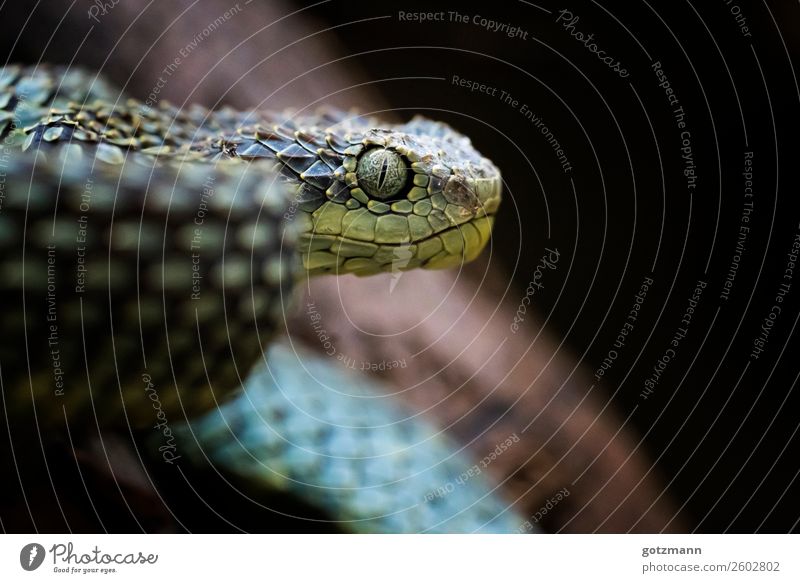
column 149, row 254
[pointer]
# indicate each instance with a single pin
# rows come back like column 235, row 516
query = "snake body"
column 148, row 254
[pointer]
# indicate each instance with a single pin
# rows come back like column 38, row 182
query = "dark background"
column 721, row 426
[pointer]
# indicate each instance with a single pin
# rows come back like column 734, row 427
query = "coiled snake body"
column 148, row 256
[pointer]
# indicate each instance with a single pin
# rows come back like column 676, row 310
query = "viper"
column 148, row 256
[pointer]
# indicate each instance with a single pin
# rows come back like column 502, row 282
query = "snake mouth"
column 450, row 247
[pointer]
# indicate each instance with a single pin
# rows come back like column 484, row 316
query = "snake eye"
column 381, row 173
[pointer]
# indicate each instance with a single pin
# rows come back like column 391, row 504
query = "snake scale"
column 148, row 256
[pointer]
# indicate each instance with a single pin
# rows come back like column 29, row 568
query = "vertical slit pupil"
column 382, row 175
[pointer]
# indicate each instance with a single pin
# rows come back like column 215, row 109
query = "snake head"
column 402, row 196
